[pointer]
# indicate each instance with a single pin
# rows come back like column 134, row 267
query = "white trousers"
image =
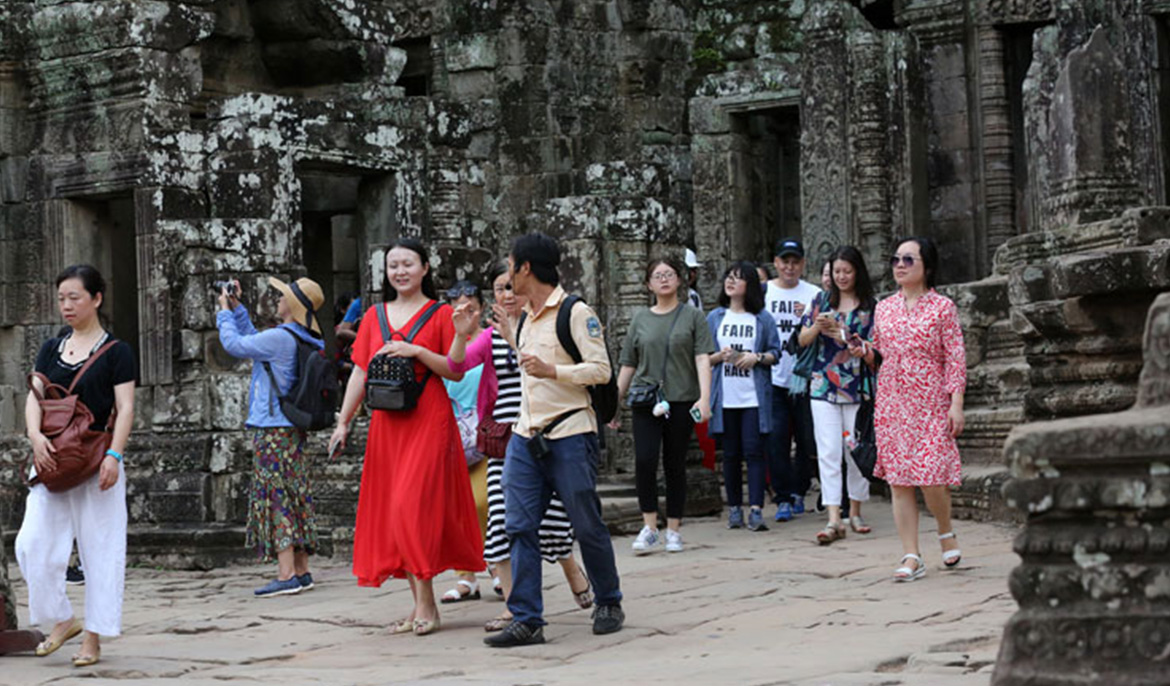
column 830, row 422
column 97, row 519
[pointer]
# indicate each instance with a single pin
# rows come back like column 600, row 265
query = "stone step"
column 1137, row 226
column 980, row 496
column 1003, row 342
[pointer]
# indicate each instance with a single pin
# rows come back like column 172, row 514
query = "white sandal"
column 454, row 595
column 905, row 573
column 950, row 558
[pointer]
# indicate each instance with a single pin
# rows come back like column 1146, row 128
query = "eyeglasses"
column 468, row 290
column 905, row 260
column 663, row 276
column 502, row 289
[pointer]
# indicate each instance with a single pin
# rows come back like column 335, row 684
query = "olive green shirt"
column 645, row 347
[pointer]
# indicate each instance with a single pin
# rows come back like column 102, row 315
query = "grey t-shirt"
column 645, row 345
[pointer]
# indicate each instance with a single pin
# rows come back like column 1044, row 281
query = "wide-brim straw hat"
column 304, row 298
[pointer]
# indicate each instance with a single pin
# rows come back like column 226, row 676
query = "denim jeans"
column 791, row 418
column 570, row 470
column 742, row 439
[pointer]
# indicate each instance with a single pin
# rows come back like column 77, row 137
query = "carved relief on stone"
column 1017, row 11
column 1154, row 387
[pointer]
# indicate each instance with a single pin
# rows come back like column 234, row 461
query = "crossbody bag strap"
column 89, row 363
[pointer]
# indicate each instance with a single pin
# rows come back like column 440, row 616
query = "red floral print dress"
column 924, row 363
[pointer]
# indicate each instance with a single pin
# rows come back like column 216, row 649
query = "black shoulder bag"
column 864, row 450
column 648, row 395
column 390, row 381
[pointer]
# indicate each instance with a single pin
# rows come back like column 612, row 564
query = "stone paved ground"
column 736, row 607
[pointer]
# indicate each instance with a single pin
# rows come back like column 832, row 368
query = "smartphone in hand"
column 335, row 449
column 696, row 415
column 854, row 341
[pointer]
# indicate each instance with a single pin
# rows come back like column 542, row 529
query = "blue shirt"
column 354, row 312
column 767, row 342
column 240, row 339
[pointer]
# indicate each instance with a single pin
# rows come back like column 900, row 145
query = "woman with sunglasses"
column 919, row 408
column 839, row 324
column 500, row 402
column 666, row 346
column 748, row 345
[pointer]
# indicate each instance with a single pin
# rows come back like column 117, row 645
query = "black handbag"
column 864, row 450
column 390, row 381
column 649, row 394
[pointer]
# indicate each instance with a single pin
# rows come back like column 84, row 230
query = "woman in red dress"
column 919, row 408
column 416, row 515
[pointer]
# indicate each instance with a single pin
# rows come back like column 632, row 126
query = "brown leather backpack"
column 65, row 421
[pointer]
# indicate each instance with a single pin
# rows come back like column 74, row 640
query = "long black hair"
column 862, row 287
column 929, row 252
column 389, row 294
column 753, row 298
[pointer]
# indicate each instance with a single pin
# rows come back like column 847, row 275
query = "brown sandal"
column 830, row 533
column 584, row 598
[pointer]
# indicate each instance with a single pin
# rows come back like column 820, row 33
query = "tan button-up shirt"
column 544, row 400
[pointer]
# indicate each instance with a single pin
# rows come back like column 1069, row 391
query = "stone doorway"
column 101, row 232
column 1162, row 104
column 1017, row 59
column 767, row 180
column 344, row 214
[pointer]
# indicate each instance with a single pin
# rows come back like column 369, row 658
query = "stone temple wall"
column 175, row 143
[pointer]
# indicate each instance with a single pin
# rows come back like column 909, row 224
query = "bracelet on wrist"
column 114, row 454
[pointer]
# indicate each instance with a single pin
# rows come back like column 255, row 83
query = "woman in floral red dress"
column 416, row 515
column 919, row 408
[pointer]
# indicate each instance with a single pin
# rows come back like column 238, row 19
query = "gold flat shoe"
column 48, row 647
column 422, row 627
column 403, row 626
column 86, row 660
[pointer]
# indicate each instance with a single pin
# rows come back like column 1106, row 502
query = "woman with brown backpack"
column 79, row 413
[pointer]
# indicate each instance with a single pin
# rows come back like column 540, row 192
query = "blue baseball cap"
column 789, row 246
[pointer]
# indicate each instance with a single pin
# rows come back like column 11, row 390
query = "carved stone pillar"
column 1094, row 583
column 824, row 150
column 869, row 129
column 999, row 202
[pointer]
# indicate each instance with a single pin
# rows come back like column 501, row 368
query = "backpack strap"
column 519, row 327
column 384, row 323
column 272, row 377
column 564, row 327
column 421, row 321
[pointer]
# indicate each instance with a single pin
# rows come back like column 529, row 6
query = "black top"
column 96, row 388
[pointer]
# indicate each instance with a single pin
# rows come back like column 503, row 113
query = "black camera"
column 218, row 287
column 538, row 446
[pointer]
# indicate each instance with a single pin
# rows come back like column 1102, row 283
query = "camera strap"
column 558, row 421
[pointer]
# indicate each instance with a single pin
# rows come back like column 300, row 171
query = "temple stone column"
column 824, row 151
column 1094, row 582
column 998, row 190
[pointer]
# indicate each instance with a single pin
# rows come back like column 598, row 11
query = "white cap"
column 690, row 259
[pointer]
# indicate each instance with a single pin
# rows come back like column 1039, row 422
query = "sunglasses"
column 459, row 291
column 905, row 260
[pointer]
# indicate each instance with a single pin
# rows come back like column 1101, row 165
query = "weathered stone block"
column 179, row 407
column 467, row 53
column 228, row 400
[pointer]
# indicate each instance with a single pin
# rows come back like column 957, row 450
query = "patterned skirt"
column 280, row 503
column 556, row 532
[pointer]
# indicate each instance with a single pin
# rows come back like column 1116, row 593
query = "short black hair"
column 862, row 286
column 541, row 253
column 90, row 278
column 675, row 266
column 389, row 294
column 499, row 268
column 753, row 298
column 929, row 252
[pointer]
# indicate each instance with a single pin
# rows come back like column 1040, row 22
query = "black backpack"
column 604, row 397
column 312, row 400
column 390, row 381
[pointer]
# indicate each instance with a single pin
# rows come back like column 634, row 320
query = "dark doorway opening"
column 102, row 233
column 415, row 78
column 1162, row 90
column 1017, row 59
column 768, row 179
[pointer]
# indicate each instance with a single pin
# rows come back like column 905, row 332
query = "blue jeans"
column 571, row 470
column 791, row 418
column 741, row 438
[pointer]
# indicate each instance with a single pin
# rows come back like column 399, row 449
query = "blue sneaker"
column 783, row 512
column 306, row 580
column 756, row 520
column 735, row 517
column 797, row 505
column 276, row 587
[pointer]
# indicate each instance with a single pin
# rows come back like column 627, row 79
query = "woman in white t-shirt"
column 741, row 384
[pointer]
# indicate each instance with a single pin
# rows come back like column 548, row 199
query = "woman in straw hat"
column 280, row 502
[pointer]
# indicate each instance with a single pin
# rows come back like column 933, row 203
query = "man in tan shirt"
column 554, row 445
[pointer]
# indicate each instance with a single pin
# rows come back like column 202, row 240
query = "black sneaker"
column 74, row 576
column 608, row 618
column 516, row 634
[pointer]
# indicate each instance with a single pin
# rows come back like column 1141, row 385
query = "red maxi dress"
column 416, row 514
column 924, row 362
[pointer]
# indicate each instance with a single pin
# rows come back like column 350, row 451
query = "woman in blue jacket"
column 747, row 346
column 280, row 503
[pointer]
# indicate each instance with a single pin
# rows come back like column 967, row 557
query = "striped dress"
column 556, row 533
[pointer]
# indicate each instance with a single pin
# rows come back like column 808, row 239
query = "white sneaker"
column 674, row 542
column 647, row 540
